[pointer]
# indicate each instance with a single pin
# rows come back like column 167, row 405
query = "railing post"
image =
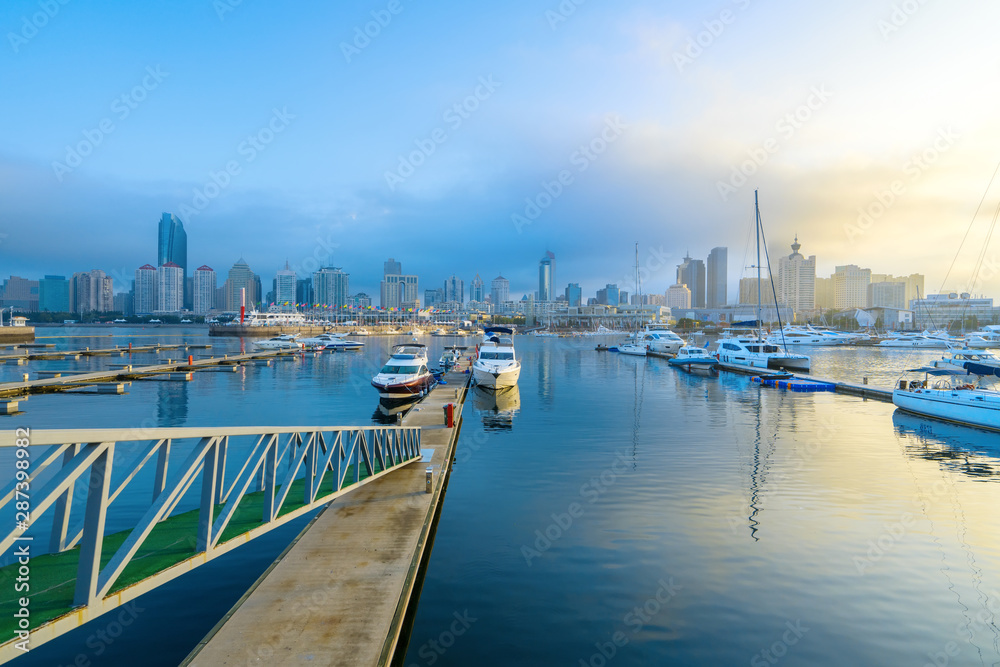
column 63, row 508
column 209, row 485
column 160, row 481
column 93, row 525
column 270, row 471
column 220, row 474
column 309, row 476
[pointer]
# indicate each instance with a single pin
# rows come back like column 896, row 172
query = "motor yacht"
column 691, row 356
column 914, row 340
column 405, row 374
column 757, row 352
column 496, row 365
column 971, row 361
column 282, row 342
column 661, row 340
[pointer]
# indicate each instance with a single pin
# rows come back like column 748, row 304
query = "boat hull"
column 694, row 362
column 496, row 379
column 969, row 407
column 406, row 389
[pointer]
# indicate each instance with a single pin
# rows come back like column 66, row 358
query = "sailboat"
column 634, row 346
column 754, row 349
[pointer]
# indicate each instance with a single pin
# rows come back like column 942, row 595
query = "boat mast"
column 756, row 207
column 638, row 286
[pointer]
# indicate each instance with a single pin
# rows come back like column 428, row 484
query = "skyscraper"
column 678, row 296
column 546, row 277
column 850, row 286
column 574, row 295
column 170, row 288
column 797, row 280
column 205, row 283
column 241, row 278
column 172, row 246
column 146, row 290
column 331, row 287
column 53, row 294
column 609, row 295
column 692, row 273
column 499, row 291
column 392, row 268
column 477, row 290
column 454, row 289
column 718, row 265
column 285, row 282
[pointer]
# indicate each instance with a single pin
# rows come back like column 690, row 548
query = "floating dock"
column 341, row 593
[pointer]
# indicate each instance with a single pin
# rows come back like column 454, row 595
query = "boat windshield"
column 389, row 369
column 505, row 356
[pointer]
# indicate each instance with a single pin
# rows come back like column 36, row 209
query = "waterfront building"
column 91, row 291
column 546, row 277
column 797, row 280
column 123, row 303
column 574, row 294
column 399, row 291
column 748, row 292
column 477, row 290
column 331, row 287
column 691, row 272
column 454, row 290
column 499, row 291
column 285, row 284
column 887, row 294
column 850, row 286
column 146, row 290
column 678, row 296
column 170, row 288
column 717, row 277
column 937, row 311
column 824, row 293
column 241, row 278
column 20, row 294
column 53, row 294
column 205, row 283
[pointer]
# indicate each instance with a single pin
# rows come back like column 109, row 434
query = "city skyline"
column 680, row 140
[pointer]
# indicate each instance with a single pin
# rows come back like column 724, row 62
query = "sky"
column 465, row 138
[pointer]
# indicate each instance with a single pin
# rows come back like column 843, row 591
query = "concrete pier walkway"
column 339, row 595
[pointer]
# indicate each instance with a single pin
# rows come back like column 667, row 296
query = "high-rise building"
column 797, row 280
column 609, row 295
column 546, row 277
column 53, row 294
column 285, row 283
column 433, row 296
column 824, row 293
column 331, row 287
column 887, row 294
column 692, row 273
column 304, row 291
column 146, row 290
column 718, row 276
column 574, row 295
column 678, row 296
column 454, row 290
column 392, row 268
column 360, row 300
column 398, row 290
column 477, row 290
column 499, row 291
column 20, row 294
column 123, row 303
column 850, row 286
column 170, row 288
column 205, row 283
column 91, row 291
column 172, row 247
column 241, row 278
column 749, row 292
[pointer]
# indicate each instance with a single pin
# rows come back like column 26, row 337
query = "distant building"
column 205, row 284
column 913, row 285
column 392, row 268
column 678, row 296
column 608, row 295
column 123, row 303
column 797, row 280
column 433, row 297
column 399, row 291
column 53, row 294
column 172, row 247
column 691, row 272
column 850, row 286
column 477, row 290
column 942, row 310
column 717, row 278
column 546, row 277
column 574, row 295
column 623, row 297
column 144, row 298
column 91, row 291
column 360, row 300
column 331, row 287
column 304, row 290
column 748, row 292
column 454, row 289
column 499, row 291
column 285, row 284
column 824, row 293
column 239, row 281
column 885, row 294
column 20, row 294
column 170, row 292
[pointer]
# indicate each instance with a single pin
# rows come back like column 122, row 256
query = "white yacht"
column 971, row 361
column 282, row 342
column 405, row 374
column 989, row 337
column 914, row 340
column 451, row 356
column 633, row 347
column 791, row 334
column 497, row 365
column 691, row 356
column 661, row 340
column 959, row 396
column 755, row 351
column 360, row 332
column 322, row 340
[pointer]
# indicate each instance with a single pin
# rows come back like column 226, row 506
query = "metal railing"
column 82, row 466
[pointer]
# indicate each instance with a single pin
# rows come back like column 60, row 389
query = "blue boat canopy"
column 503, row 330
column 981, row 369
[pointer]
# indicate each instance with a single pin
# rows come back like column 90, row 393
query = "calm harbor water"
column 612, row 510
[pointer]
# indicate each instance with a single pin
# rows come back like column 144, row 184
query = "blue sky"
column 874, row 84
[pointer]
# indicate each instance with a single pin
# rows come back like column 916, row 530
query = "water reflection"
column 970, row 451
column 389, row 411
column 172, row 403
column 497, row 408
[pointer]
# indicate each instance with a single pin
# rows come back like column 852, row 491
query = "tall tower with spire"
column 796, row 286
